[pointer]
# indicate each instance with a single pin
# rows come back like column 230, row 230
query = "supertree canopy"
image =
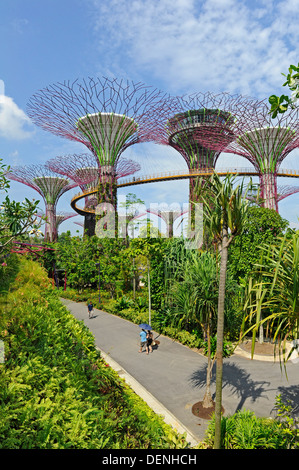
column 106, row 115
column 49, row 185
column 263, row 142
column 283, row 191
column 190, row 124
column 60, row 217
column 84, row 169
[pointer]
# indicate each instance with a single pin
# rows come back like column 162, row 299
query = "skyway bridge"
column 175, row 175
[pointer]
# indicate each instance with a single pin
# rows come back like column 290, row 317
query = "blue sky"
column 179, row 46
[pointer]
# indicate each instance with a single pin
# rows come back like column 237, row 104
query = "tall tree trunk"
column 220, row 334
column 207, row 399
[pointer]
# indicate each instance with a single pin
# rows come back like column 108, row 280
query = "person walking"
column 90, row 309
column 143, row 339
column 149, row 340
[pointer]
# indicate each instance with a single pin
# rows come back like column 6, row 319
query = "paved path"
column 172, row 378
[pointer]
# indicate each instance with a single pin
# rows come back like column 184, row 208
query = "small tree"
column 16, row 219
column 224, row 219
column 195, row 295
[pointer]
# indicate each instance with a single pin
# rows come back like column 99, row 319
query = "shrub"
column 55, row 389
column 244, row 430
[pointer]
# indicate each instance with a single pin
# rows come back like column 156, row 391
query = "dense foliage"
column 55, row 390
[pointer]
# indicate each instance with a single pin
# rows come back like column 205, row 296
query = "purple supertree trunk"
column 282, row 193
column 49, row 186
column 268, row 185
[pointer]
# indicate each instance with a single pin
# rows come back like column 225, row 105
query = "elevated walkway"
column 174, row 175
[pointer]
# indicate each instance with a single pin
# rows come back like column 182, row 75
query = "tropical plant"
column 224, row 220
column 262, row 226
column 274, row 288
column 17, row 219
column 244, row 430
column 195, row 297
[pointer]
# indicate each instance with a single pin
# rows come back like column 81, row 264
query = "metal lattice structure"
column 169, row 217
column 264, row 142
column 60, row 217
column 283, row 191
column 106, row 115
column 49, row 185
column 190, row 123
column 86, row 171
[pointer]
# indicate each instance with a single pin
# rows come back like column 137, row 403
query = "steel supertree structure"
column 282, row 191
column 264, row 142
column 189, row 123
column 84, row 169
column 169, row 217
column 49, row 185
column 107, row 115
column 60, row 217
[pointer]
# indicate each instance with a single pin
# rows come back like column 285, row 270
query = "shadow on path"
column 290, row 395
column 235, row 379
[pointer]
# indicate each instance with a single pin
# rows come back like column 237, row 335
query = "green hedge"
column 55, row 389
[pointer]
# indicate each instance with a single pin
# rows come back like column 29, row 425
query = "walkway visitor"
column 90, row 309
column 149, row 340
column 143, row 339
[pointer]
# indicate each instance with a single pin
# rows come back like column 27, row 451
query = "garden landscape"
column 159, row 313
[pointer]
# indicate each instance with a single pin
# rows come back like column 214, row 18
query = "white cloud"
column 14, row 123
column 217, row 45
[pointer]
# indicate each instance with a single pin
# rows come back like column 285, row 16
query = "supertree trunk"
column 50, row 228
column 89, row 224
column 268, row 185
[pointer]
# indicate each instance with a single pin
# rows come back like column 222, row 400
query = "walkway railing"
column 173, row 175
column 180, row 174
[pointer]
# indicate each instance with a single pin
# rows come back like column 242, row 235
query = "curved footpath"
column 171, row 379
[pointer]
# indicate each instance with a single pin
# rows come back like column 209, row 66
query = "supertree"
column 283, row 191
column 85, row 170
column 60, row 217
column 169, row 217
column 50, row 187
column 106, row 115
column 189, row 123
column 264, row 142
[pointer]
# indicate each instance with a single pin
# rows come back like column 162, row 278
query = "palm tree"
column 275, row 288
column 195, row 295
column 223, row 219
